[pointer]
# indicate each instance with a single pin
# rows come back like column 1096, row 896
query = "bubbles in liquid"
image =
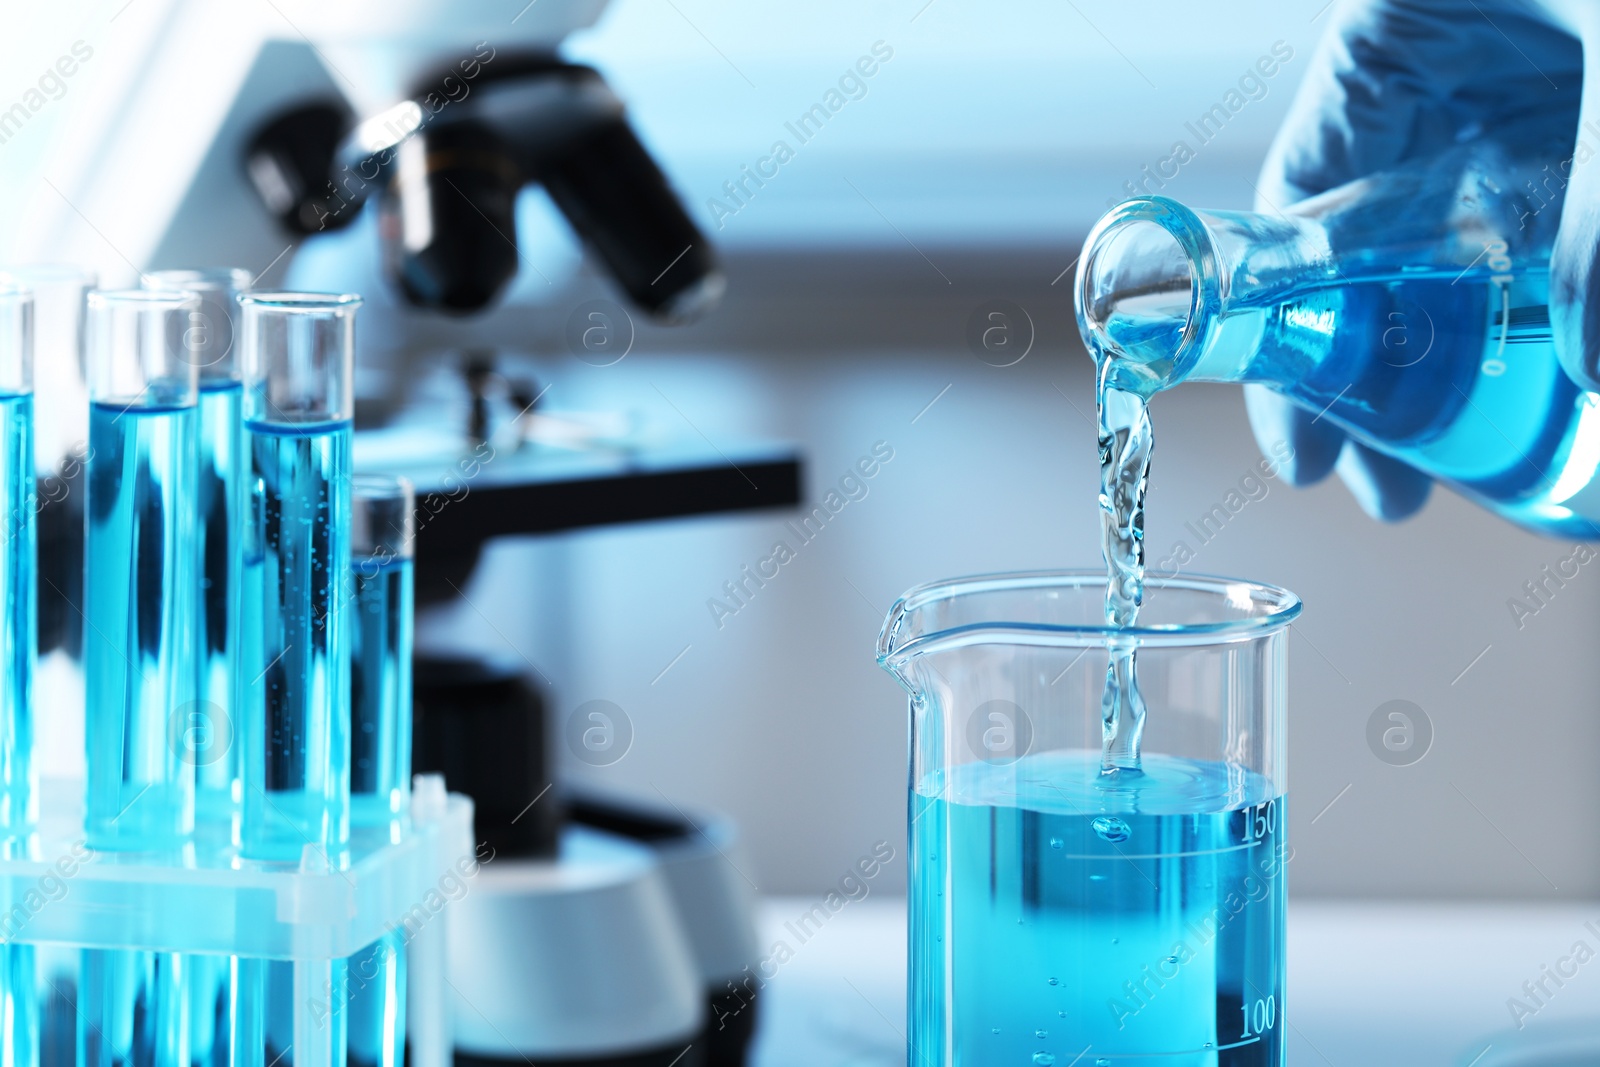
column 1041, row 1033
column 1110, row 828
column 1057, row 844
column 1043, row 1059
column 1054, row 981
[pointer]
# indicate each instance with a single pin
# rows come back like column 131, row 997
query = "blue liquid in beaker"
column 296, row 633
column 1141, row 920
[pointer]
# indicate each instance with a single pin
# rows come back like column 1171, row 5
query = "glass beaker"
column 1061, row 915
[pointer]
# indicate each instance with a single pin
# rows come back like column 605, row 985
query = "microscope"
column 390, row 149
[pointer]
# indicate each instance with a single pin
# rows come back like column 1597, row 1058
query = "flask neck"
column 1158, row 284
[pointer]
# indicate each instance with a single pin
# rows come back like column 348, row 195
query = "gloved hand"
column 1394, row 80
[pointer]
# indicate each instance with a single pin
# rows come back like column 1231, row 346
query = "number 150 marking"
column 1260, row 820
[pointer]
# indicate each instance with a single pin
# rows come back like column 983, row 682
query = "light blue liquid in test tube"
column 294, row 722
column 213, row 329
column 208, row 738
column 383, row 527
column 18, row 576
column 140, row 569
column 298, row 352
column 140, row 647
column 60, row 444
column 18, row 625
column 18, row 597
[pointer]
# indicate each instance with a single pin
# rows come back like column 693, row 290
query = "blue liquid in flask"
column 297, row 589
column 1452, row 370
column 1140, row 921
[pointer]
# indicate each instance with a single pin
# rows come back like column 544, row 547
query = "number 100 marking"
column 1259, row 1017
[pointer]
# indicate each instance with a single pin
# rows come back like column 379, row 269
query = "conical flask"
column 1411, row 308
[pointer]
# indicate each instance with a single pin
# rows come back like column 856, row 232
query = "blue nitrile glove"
column 1394, row 80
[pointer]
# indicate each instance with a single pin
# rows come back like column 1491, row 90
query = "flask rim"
column 1189, row 231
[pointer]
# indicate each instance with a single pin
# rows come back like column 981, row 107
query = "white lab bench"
column 1370, row 985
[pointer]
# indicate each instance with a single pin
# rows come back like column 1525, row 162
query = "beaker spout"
column 891, row 643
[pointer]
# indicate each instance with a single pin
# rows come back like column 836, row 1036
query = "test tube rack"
column 56, row 893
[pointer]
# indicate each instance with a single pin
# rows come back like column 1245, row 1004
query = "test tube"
column 207, row 738
column 18, row 576
column 18, row 998
column 383, row 526
column 297, row 357
column 208, row 741
column 297, row 368
column 139, row 575
column 139, row 663
column 61, row 440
